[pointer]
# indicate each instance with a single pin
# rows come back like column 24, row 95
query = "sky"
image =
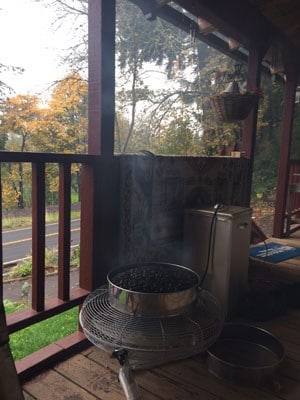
column 29, row 41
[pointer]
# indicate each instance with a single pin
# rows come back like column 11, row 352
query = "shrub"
column 51, row 258
column 75, row 256
column 23, row 269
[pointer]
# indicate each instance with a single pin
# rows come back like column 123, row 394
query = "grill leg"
column 126, row 377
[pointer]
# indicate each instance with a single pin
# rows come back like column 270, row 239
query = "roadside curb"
column 25, row 278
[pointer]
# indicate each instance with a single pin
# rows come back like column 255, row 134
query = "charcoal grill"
column 141, row 342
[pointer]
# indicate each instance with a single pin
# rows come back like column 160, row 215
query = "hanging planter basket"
column 232, row 105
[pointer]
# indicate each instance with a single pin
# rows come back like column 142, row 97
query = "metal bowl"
column 245, row 354
column 152, row 304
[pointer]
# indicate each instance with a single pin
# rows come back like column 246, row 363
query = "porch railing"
column 293, row 198
column 66, row 298
column 294, row 177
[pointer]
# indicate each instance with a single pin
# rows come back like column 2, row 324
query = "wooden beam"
column 64, row 231
column 87, row 224
column 1, row 239
column 101, row 91
column 101, row 57
column 38, row 236
column 250, row 124
column 107, row 215
column 185, row 23
column 285, row 147
column 21, row 156
column 100, row 185
column 233, row 19
column 28, row 366
column 27, row 317
column 188, row 25
column 100, row 219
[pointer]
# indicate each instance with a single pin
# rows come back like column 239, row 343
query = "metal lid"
column 225, row 211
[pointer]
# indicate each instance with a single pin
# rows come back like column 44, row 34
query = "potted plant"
column 233, row 104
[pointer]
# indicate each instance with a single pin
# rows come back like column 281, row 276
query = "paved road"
column 13, row 290
column 17, row 243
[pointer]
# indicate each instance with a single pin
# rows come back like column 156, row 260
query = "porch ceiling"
column 253, row 23
column 284, row 14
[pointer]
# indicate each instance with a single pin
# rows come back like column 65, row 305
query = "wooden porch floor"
column 93, row 374
column 288, row 270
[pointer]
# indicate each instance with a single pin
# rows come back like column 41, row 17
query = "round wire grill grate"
column 151, row 340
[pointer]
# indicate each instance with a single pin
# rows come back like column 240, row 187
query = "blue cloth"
column 274, row 252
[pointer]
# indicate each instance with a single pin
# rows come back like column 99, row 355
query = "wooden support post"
column 101, row 56
column 1, row 239
column 87, row 228
column 250, row 124
column 38, row 236
column 285, row 149
column 64, row 231
column 99, row 200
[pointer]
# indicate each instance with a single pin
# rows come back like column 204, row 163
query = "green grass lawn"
column 41, row 334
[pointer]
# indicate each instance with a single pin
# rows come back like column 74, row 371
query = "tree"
column 63, row 128
column 189, row 70
column 140, row 45
column 177, row 139
column 19, row 116
column 268, row 140
column 181, row 95
column 64, row 122
column 5, row 89
column 72, row 15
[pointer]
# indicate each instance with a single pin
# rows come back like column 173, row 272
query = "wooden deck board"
column 194, row 372
column 51, row 385
column 27, row 396
column 93, row 374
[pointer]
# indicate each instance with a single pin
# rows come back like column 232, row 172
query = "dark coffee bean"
column 155, row 278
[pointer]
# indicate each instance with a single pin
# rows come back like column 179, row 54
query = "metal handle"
column 243, row 225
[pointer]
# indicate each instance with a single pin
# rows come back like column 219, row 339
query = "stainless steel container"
column 152, row 304
column 227, row 275
column 245, row 354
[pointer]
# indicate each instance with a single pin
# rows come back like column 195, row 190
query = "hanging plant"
column 232, row 104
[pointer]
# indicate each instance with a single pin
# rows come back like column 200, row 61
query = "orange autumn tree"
column 19, row 118
column 59, row 127
column 63, row 128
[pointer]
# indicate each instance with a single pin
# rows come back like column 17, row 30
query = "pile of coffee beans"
column 155, row 278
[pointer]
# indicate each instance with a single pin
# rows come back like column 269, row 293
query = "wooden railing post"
column 87, row 239
column 43, row 308
column 64, row 231
column 38, row 236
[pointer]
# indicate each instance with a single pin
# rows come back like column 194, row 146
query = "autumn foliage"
column 57, row 127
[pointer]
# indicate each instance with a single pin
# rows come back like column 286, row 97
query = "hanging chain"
column 237, row 73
